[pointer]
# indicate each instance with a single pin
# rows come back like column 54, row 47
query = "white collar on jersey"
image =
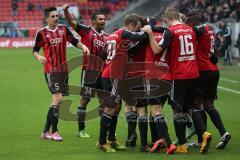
column 98, row 32
column 53, row 29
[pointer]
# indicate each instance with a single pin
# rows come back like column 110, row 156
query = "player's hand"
column 65, row 6
column 41, row 59
column 147, row 29
column 85, row 50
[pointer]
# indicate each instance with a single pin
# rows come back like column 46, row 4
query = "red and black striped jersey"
column 96, row 43
column 118, row 45
column 180, row 40
column 205, row 47
column 157, row 66
column 54, row 44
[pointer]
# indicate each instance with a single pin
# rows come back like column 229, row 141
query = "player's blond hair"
column 172, row 14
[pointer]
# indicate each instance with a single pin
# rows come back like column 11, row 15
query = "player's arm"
column 159, row 29
column 73, row 23
column 164, row 43
column 200, row 30
column 37, row 46
column 134, row 36
column 75, row 42
column 228, row 32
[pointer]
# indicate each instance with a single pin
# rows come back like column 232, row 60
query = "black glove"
column 213, row 58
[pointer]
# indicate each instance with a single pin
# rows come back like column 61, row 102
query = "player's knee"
column 109, row 111
column 156, row 110
column 207, row 109
column 141, row 112
column 155, row 113
column 84, row 101
column 207, row 104
column 196, row 107
column 142, row 118
column 57, row 99
column 118, row 109
column 128, row 108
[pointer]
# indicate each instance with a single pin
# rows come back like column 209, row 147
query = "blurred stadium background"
column 20, row 19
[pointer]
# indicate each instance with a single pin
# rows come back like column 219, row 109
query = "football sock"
column 216, row 119
column 81, row 114
column 180, row 128
column 143, row 128
column 112, row 129
column 48, row 120
column 162, row 129
column 55, row 115
column 189, row 123
column 131, row 118
column 198, row 122
column 153, row 129
column 204, row 116
column 105, row 123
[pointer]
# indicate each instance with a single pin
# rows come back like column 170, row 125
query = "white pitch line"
column 229, row 80
column 229, row 90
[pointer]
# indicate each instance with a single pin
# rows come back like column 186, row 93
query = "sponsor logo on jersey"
column 56, row 41
column 98, row 43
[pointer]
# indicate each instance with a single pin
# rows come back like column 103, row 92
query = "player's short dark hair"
column 172, row 13
column 143, row 20
column 193, row 18
column 48, row 10
column 131, row 18
column 94, row 15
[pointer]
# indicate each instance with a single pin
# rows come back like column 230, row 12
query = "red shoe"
column 171, row 149
column 156, row 144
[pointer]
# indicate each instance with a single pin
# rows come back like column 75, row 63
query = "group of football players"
column 144, row 65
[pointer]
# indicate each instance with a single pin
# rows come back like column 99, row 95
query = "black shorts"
column 57, row 82
column 109, row 93
column 90, row 82
column 158, row 91
column 133, row 91
column 183, row 94
column 207, row 84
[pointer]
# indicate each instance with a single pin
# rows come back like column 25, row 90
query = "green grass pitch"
column 25, row 100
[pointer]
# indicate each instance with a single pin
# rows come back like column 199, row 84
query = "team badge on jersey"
column 61, row 32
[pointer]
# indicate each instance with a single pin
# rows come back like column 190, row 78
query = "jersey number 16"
column 186, row 46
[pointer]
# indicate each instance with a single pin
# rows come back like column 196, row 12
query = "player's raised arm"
column 37, row 47
column 71, row 21
column 79, row 28
column 75, row 42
